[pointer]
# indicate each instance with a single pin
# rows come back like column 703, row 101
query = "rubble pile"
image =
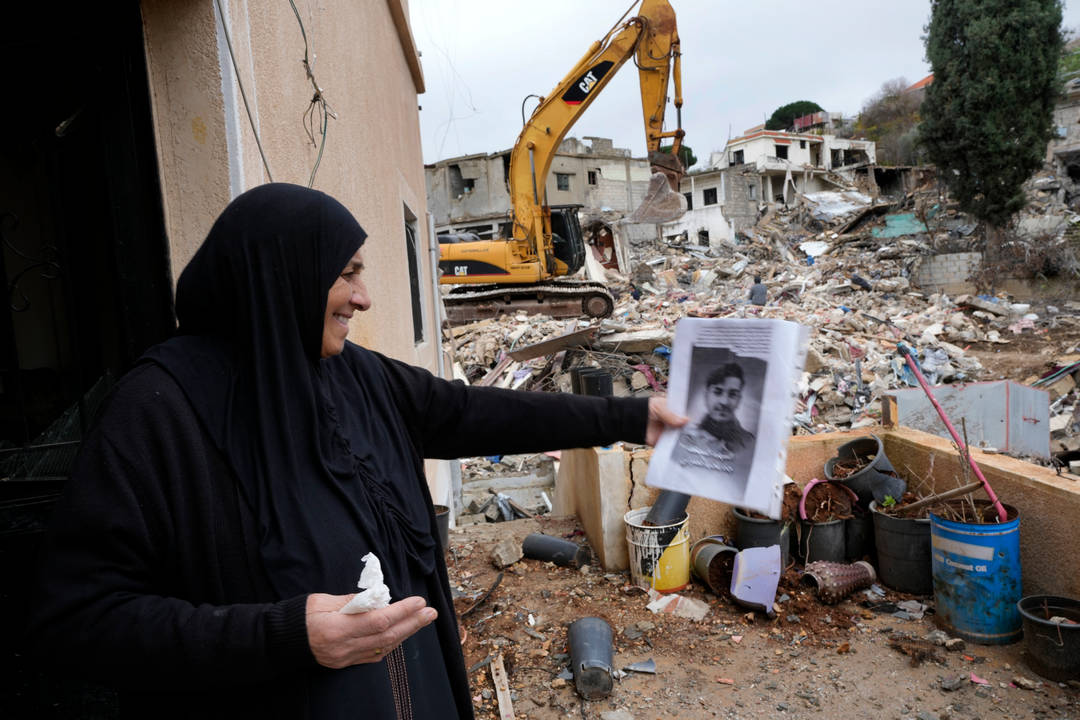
column 855, row 295
column 840, row 263
column 1047, row 230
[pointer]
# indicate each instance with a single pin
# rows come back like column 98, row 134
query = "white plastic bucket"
column 660, row 554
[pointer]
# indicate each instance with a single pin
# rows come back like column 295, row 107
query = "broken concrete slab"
column 985, row 305
column 637, row 341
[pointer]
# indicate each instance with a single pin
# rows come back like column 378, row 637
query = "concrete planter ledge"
column 600, row 485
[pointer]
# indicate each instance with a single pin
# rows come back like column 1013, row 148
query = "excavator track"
column 466, row 303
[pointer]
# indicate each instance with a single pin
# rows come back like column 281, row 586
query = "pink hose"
column 910, row 359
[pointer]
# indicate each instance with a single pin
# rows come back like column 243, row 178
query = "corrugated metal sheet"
column 1005, row 415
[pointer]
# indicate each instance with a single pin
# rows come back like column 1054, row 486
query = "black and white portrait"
column 732, row 378
column 724, row 405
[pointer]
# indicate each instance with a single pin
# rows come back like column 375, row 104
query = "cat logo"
column 587, row 83
column 584, row 84
column 461, row 270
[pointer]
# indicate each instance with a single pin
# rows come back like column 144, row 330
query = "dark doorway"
column 85, row 258
column 84, row 262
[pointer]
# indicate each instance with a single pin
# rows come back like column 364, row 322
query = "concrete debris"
column 506, row 553
column 660, row 205
column 859, row 292
column 678, row 605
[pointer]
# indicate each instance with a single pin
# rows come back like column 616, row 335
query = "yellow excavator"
column 523, row 272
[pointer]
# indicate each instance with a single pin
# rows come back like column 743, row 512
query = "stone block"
column 506, row 552
column 1061, row 386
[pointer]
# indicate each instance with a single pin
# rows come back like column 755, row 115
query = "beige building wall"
column 367, row 66
column 366, row 63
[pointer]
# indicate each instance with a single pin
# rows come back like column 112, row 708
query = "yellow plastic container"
column 659, row 555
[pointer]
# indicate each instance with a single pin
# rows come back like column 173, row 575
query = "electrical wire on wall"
column 319, row 111
column 240, row 84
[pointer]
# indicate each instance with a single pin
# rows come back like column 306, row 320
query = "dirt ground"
column 812, row 660
column 1026, row 355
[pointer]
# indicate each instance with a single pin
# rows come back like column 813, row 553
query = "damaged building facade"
column 763, row 169
column 472, row 194
column 1063, row 150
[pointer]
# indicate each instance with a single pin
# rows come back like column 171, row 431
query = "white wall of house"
column 703, row 216
column 764, row 148
column 710, row 219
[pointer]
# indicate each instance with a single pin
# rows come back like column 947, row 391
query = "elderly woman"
column 218, row 513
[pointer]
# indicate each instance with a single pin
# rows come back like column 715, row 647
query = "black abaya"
column 234, row 472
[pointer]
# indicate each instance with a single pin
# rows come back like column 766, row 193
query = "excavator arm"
column 527, row 270
column 651, row 37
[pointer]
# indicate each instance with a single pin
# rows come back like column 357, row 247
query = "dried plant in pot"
column 823, row 509
column 862, row 466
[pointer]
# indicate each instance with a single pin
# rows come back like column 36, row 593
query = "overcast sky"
column 741, row 60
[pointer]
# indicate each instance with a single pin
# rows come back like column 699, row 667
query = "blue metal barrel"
column 976, row 569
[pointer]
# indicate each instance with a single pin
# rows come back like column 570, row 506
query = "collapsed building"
column 763, row 169
column 754, row 173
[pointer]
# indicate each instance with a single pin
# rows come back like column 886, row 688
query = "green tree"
column 986, row 118
column 686, row 155
column 784, row 116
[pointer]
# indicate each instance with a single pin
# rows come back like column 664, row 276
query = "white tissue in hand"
column 374, row 593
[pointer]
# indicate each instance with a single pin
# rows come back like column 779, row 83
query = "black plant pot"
column 859, row 535
column 873, row 482
column 903, row 552
column 760, row 532
column 821, row 541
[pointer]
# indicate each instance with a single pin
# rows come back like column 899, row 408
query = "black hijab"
column 303, row 434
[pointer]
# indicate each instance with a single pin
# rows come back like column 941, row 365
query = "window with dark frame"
column 737, row 157
column 414, row 278
column 802, row 144
column 592, row 176
column 708, row 196
column 562, row 181
column 781, row 152
column 689, row 200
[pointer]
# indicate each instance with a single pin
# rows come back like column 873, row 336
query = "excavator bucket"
column 661, row 203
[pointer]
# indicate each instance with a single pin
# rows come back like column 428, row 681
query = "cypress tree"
column 986, row 118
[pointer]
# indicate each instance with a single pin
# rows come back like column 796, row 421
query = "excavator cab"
column 566, row 237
